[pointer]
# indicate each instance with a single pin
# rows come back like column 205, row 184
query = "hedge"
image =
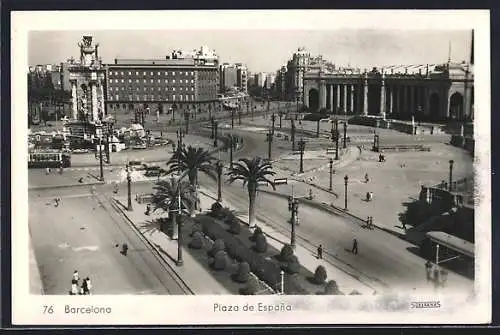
column 265, row 270
column 197, row 242
column 260, row 243
column 243, row 272
column 220, row 261
column 320, row 275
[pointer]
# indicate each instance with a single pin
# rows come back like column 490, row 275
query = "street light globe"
column 346, row 178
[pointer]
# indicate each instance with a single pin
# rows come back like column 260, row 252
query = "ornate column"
column 351, row 88
column 346, row 88
column 382, row 96
column 94, row 101
column 331, row 98
column 322, row 95
column 397, row 91
column 101, row 95
column 74, row 97
column 365, row 95
column 337, row 103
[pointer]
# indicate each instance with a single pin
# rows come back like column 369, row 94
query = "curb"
column 38, row 188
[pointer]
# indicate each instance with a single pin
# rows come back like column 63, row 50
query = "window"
column 173, row 97
column 186, row 73
column 173, row 81
column 144, row 73
column 137, row 98
column 166, row 73
column 111, row 97
column 180, row 97
column 123, row 88
column 159, row 88
column 192, row 88
column 192, row 81
column 111, row 80
column 159, row 81
column 117, row 97
column 123, row 81
column 173, row 73
column 130, row 96
column 145, row 97
column 180, row 88
column 129, row 73
column 151, row 81
column 122, row 73
column 192, row 73
column 144, row 80
column 166, row 81
column 145, row 88
column 152, row 97
column 173, row 89
column 137, row 80
column 110, row 73
column 136, row 73
column 130, row 80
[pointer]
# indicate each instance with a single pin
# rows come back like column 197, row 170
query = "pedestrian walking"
column 85, row 290
column 89, row 285
column 404, row 225
column 368, row 222
column 320, row 252
column 367, row 179
column 56, row 202
column 148, row 209
column 371, row 222
column 47, row 171
column 355, row 246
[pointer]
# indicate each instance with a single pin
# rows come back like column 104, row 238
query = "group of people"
column 369, row 222
column 85, row 287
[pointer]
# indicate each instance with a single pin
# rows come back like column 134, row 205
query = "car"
column 152, row 173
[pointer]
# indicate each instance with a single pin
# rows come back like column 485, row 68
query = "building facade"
column 241, row 77
column 430, row 92
column 184, row 81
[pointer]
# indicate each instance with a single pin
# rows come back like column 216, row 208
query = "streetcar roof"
column 452, row 242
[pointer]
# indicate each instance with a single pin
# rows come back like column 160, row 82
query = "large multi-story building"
column 183, row 80
column 241, row 77
column 297, row 66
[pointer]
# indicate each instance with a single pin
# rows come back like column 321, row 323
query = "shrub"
column 243, row 272
column 332, row 288
column 197, row 228
column 252, row 287
column 354, row 292
column 320, row 275
column 292, row 267
column 218, row 246
column 264, row 269
column 220, row 261
column 215, row 209
column 256, row 233
column 229, row 217
column 260, row 243
column 197, row 242
column 235, row 227
column 286, row 253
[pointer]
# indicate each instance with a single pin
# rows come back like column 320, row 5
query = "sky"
column 262, row 50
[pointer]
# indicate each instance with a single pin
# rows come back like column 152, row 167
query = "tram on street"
column 449, row 246
column 49, row 159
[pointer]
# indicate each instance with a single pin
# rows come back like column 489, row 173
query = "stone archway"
column 434, row 106
column 313, row 100
column 456, row 106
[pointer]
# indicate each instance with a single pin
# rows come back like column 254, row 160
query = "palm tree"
column 175, row 197
column 190, row 160
column 251, row 172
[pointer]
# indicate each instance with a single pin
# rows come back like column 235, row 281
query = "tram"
column 49, row 159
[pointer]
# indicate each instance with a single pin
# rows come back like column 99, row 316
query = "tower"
column 87, row 78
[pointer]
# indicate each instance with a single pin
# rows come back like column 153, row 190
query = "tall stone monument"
column 87, row 78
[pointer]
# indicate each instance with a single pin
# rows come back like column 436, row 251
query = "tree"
column 220, row 260
column 286, row 253
column 332, row 288
column 243, row 272
column 166, row 198
column 190, row 161
column 197, row 241
column 260, row 243
column 251, row 172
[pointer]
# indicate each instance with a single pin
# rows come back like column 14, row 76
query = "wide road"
column 85, row 233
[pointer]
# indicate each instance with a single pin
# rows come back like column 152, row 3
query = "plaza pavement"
column 393, row 183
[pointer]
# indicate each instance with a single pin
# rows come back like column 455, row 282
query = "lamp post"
column 337, row 137
column 346, row 180
column 174, row 108
column 239, row 113
column 101, row 169
column 129, row 188
column 178, row 212
column 375, row 141
column 186, row 118
column 220, row 166
column 345, row 134
column 232, row 142
column 232, row 118
column 273, row 119
column 293, row 208
column 293, row 134
column 331, row 174
column 302, row 145
column 215, row 124
column 281, row 113
column 212, row 121
column 450, row 179
column 269, row 139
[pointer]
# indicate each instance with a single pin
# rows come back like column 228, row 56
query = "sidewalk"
column 192, row 273
column 37, row 178
column 305, row 253
column 36, row 286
